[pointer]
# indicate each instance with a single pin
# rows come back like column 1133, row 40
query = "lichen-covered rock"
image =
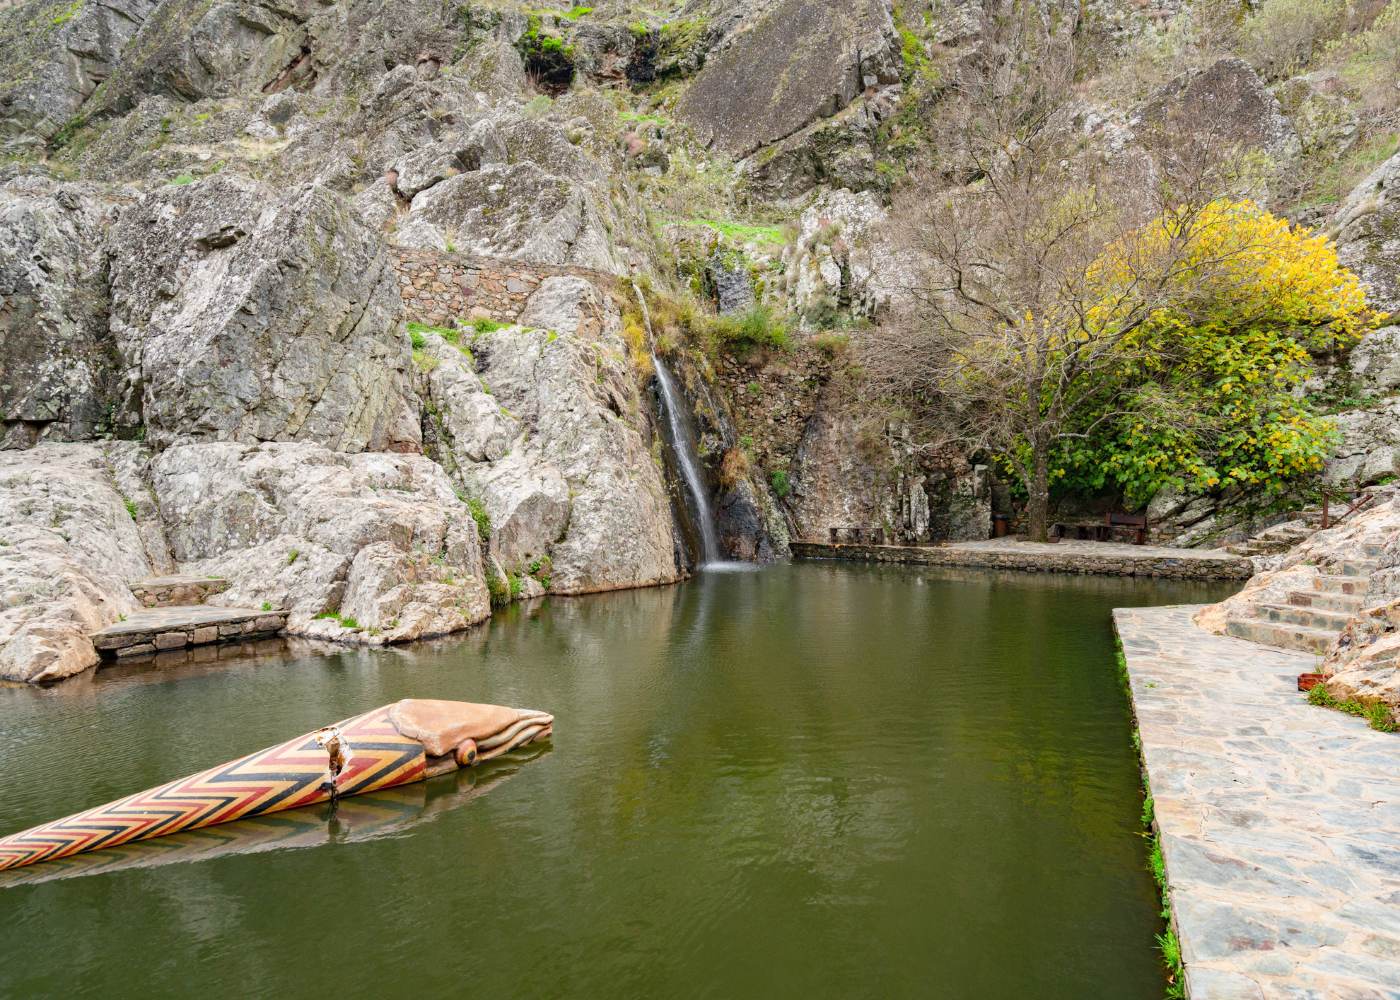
column 1364, row 662
column 69, row 550
column 1225, row 104
column 1324, row 119
column 1374, row 364
column 381, row 541
column 57, row 361
column 1367, row 230
column 841, row 261
column 1369, row 445
column 242, row 317
column 807, row 59
column 52, row 58
column 544, row 428
column 836, row 152
column 523, row 210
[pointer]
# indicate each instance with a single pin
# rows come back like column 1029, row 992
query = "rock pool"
column 813, row 780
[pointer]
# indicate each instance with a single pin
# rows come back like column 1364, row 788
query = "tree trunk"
column 1038, row 495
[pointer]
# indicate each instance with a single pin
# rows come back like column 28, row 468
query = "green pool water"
column 815, row 780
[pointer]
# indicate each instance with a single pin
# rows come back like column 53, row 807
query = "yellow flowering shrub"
column 1208, row 394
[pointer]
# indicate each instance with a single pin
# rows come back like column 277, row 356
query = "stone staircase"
column 1279, row 537
column 167, row 622
column 1311, row 619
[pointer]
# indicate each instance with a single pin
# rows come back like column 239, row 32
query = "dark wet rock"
column 732, row 282
column 57, row 361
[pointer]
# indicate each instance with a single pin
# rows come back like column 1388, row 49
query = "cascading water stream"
column 682, row 440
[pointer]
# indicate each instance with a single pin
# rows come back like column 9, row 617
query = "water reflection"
column 391, row 812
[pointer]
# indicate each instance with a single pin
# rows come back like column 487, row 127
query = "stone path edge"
column 1279, row 822
column 1187, row 565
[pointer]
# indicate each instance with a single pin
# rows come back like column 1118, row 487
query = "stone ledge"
column 176, row 627
column 171, row 591
column 1105, row 559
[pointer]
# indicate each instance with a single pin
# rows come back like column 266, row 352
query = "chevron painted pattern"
column 280, row 777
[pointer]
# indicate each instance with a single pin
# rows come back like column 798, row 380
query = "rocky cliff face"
column 221, row 316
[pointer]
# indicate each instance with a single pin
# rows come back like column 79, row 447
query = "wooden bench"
column 1113, row 523
column 1134, row 524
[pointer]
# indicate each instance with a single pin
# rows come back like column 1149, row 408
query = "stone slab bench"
column 167, row 591
column 179, row 626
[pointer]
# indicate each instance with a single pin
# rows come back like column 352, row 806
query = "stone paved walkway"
column 1068, row 556
column 1279, row 821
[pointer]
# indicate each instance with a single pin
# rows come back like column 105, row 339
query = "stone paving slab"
column 1068, row 556
column 1279, row 821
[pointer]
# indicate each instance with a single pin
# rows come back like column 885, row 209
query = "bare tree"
column 1038, row 271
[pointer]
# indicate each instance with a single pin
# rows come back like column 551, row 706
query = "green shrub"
column 782, row 486
column 1377, row 714
column 130, row 507
column 757, row 327
column 831, row 344
column 481, row 516
column 498, row 589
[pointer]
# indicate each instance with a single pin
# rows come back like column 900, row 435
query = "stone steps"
column 172, row 591
column 176, row 627
column 1282, row 635
column 1341, row 584
column 1350, row 603
column 1313, row 618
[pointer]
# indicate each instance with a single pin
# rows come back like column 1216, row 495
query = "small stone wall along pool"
column 813, row 780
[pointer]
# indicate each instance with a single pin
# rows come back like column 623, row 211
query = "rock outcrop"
column 1227, row 107
column 69, row 546
column 57, row 362
column 1367, row 230
column 807, row 58
column 240, row 317
column 542, row 423
column 366, row 548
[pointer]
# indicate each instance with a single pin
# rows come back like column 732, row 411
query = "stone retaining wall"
column 1109, row 564
column 439, row 287
column 153, row 633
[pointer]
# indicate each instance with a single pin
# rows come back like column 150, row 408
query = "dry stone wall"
column 439, row 287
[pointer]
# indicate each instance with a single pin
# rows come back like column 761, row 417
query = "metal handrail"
column 1356, row 504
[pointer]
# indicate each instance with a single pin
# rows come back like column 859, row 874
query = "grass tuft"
column 1377, row 714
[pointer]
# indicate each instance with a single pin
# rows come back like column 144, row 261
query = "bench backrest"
column 1128, row 520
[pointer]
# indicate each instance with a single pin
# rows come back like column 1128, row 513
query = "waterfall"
column 683, row 441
